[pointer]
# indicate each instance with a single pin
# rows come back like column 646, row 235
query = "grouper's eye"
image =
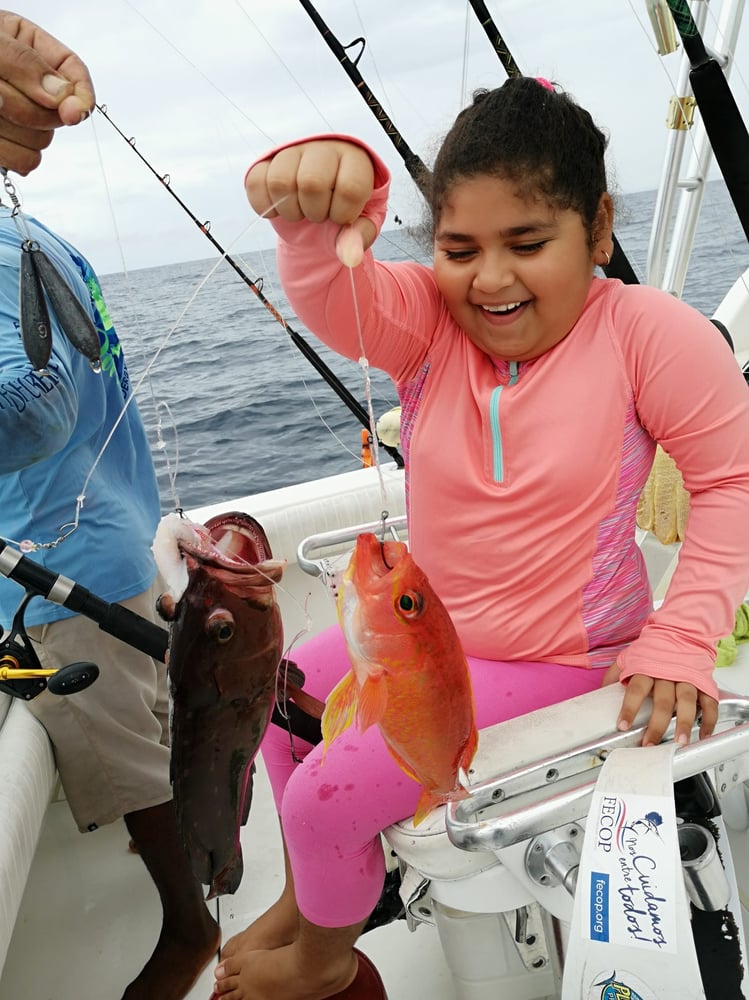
column 409, row 605
column 220, row 625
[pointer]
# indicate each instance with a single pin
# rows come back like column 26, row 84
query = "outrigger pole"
column 619, row 267
column 309, row 353
column 721, row 117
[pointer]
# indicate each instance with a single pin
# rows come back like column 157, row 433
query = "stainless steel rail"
column 395, row 527
column 516, row 806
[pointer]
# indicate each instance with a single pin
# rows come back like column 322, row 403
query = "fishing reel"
column 21, row 673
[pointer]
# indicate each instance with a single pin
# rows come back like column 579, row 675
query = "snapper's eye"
column 220, row 626
column 409, row 604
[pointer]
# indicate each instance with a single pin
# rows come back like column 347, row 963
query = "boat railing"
column 520, row 804
column 682, row 186
column 315, row 550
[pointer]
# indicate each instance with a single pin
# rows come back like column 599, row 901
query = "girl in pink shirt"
column 533, row 396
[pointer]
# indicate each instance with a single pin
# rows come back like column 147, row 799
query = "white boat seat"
column 509, row 746
column 530, row 764
column 27, row 778
column 5, row 702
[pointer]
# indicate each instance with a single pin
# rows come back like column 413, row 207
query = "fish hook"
column 384, row 515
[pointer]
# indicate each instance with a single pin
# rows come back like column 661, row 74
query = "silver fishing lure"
column 41, row 281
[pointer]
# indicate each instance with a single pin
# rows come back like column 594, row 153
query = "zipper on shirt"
column 494, row 423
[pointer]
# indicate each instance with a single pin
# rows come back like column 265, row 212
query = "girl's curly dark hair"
column 527, row 133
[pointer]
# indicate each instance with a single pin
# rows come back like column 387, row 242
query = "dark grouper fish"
column 225, row 647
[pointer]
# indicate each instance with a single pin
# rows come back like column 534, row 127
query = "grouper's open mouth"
column 233, row 547
column 236, row 549
column 233, row 541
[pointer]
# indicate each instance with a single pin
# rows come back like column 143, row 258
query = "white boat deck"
column 90, row 916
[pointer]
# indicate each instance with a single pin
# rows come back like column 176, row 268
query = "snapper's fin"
column 340, row 706
column 429, row 800
column 402, row 764
column 469, row 751
column 373, row 699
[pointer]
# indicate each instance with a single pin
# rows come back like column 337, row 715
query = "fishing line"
column 80, row 499
column 275, row 53
column 308, row 386
column 200, row 72
column 160, row 443
column 466, row 51
column 364, row 365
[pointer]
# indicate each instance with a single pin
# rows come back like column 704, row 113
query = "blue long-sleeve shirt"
column 52, row 429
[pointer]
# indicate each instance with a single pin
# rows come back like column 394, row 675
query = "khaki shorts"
column 111, row 739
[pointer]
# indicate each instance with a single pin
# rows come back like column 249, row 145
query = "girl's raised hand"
column 317, row 180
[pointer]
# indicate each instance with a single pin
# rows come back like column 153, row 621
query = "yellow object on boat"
column 728, row 647
column 388, row 427
column 663, row 506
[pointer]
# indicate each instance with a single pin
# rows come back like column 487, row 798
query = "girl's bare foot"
column 282, row 972
column 278, row 926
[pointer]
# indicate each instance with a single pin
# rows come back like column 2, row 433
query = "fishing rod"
column 721, row 117
column 416, row 167
column 309, row 353
column 22, row 675
column 492, row 33
column 21, row 672
column 112, row 618
column 618, row 266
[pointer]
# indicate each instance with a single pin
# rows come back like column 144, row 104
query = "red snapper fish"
column 409, row 672
column 226, row 643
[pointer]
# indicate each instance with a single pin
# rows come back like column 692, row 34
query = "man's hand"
column 43, row 85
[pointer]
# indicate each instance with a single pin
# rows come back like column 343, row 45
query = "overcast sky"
column 205, row 86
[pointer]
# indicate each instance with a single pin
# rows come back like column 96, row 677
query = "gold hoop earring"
column 607, row 256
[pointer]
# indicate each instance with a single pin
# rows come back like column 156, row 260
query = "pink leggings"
column 332, row 814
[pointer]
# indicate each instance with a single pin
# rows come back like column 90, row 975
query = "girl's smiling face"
column 514, row 271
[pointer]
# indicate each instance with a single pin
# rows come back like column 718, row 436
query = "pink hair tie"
column 545, row 83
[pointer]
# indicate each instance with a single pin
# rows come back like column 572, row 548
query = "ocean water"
column 231, row 405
